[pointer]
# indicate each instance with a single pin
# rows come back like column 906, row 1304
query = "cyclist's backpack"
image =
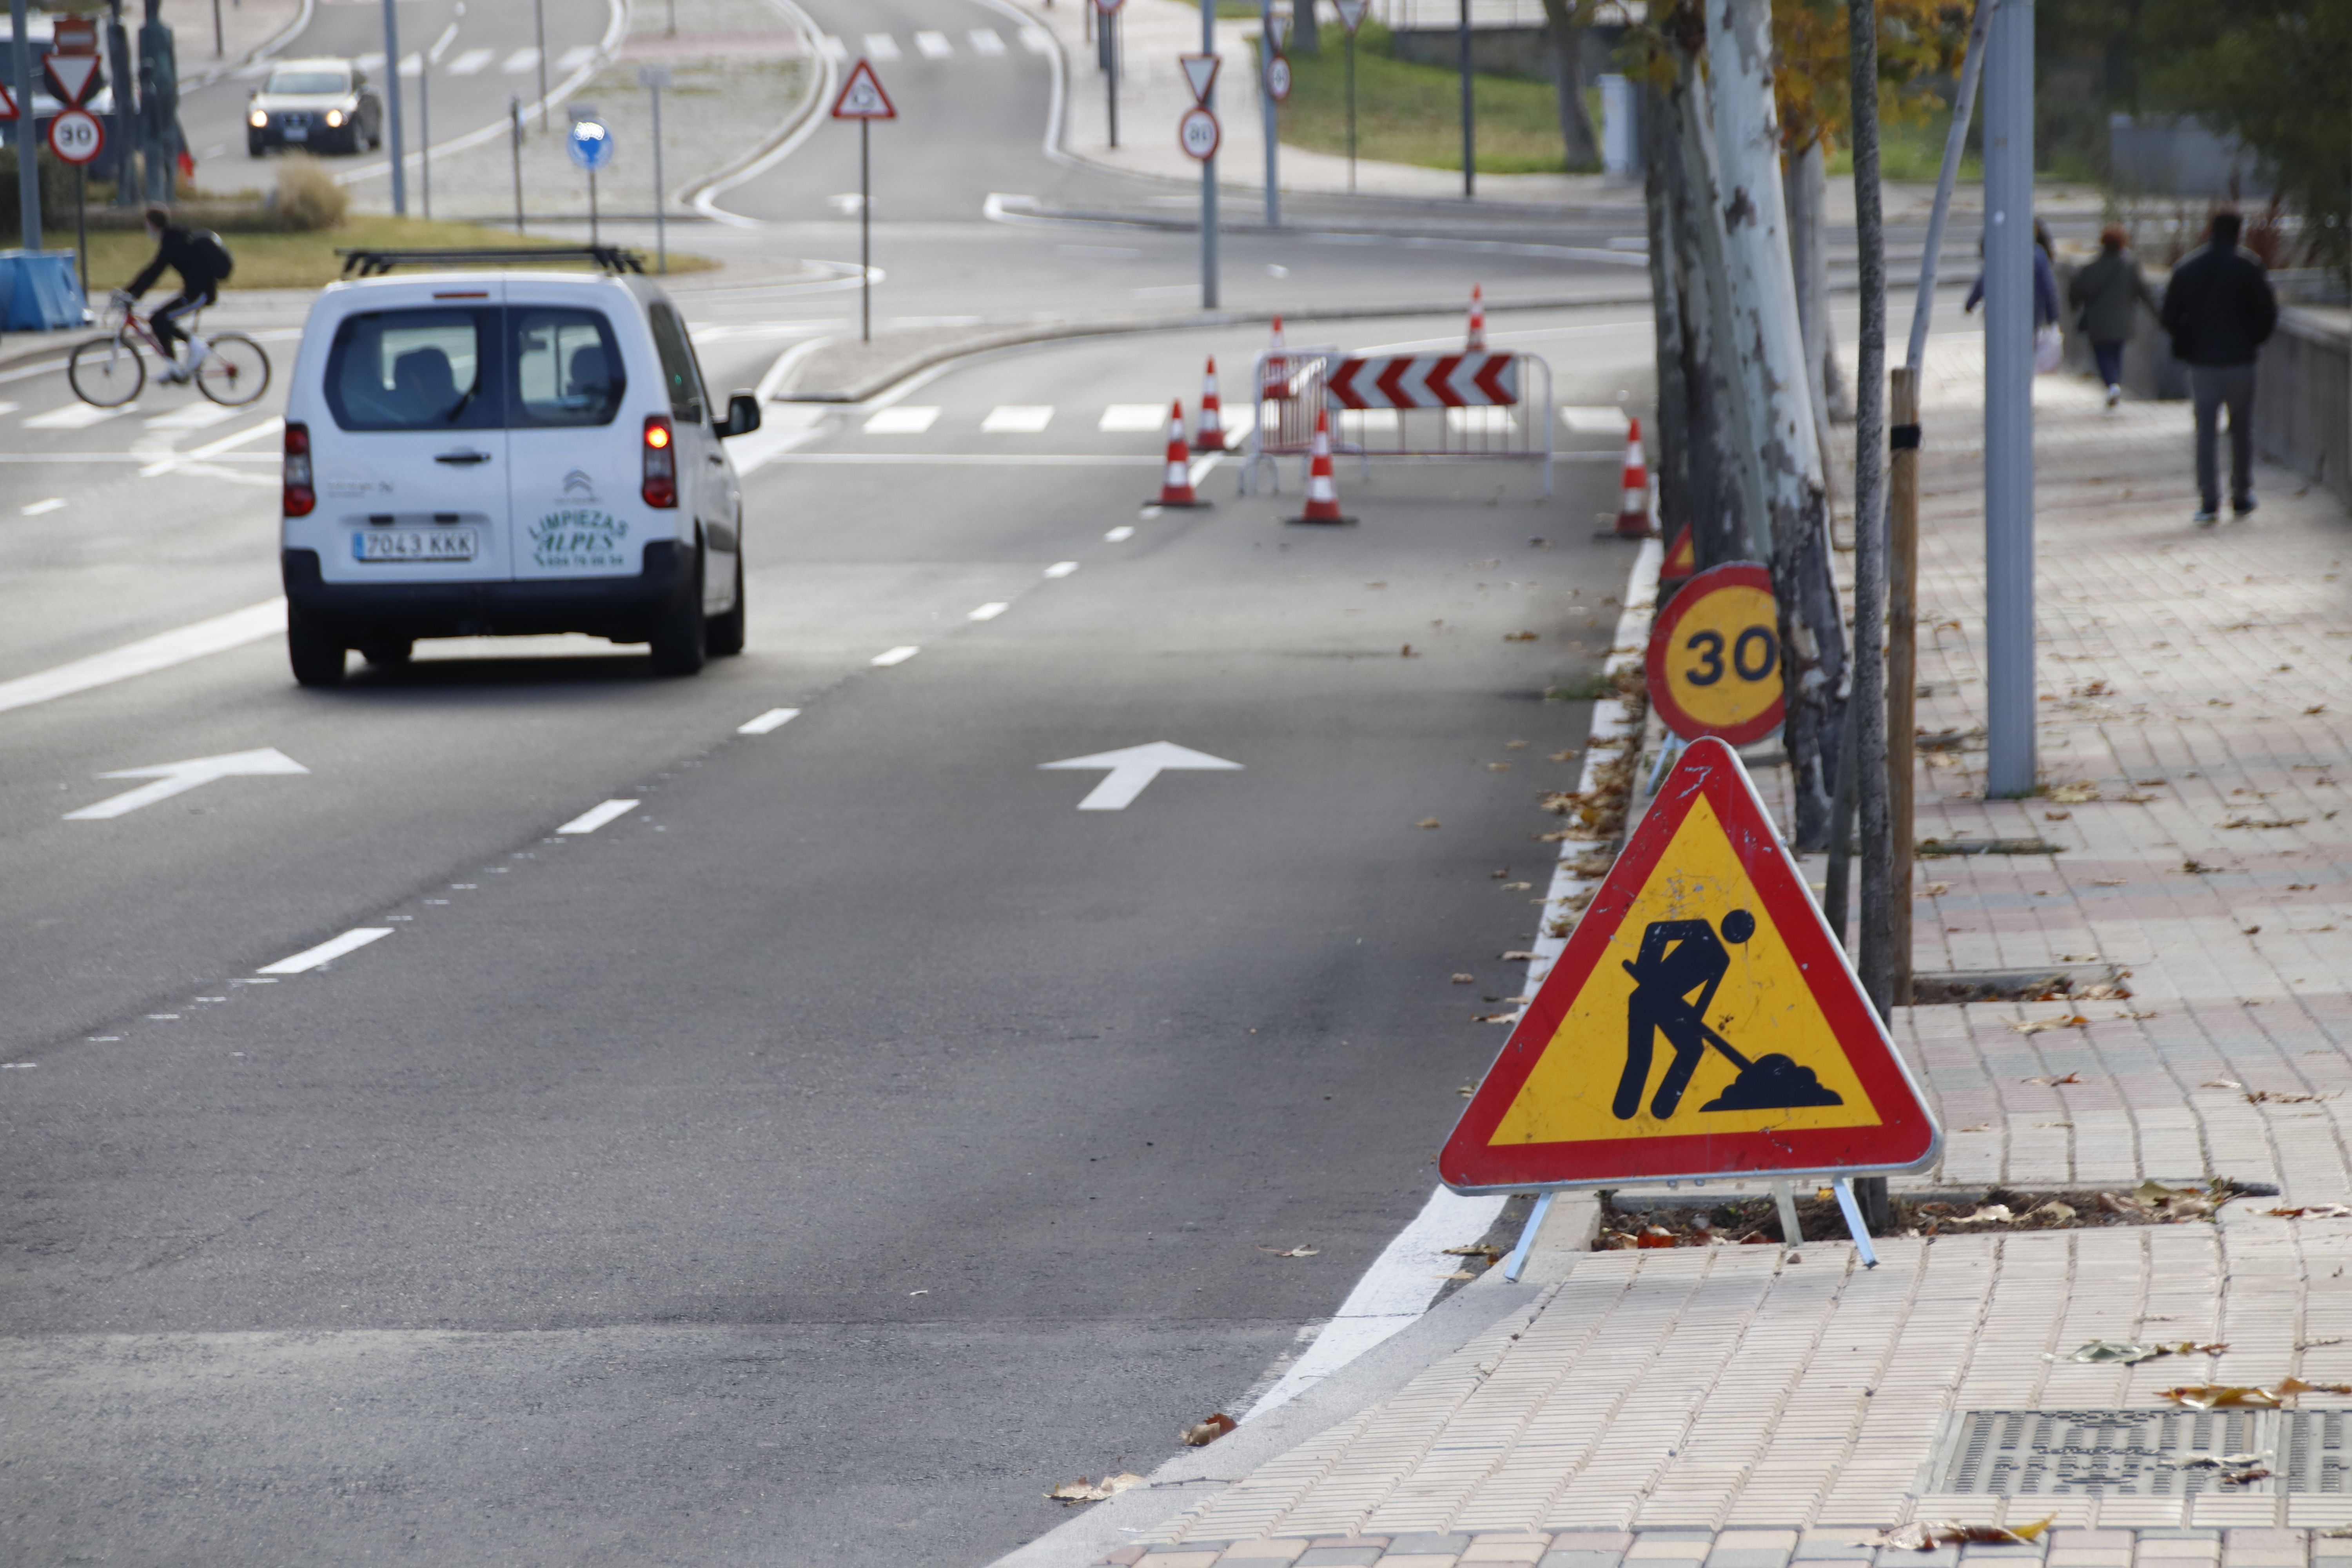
column 209, row 246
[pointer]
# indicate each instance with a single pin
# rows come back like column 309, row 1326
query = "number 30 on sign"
column 1714, row 657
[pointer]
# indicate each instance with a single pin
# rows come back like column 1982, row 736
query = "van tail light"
column 661, row 462
column 299, row 497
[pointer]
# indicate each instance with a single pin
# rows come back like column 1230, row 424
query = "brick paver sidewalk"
column 1742, row 1407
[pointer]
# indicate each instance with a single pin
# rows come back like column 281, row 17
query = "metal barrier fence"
column 1290, row 393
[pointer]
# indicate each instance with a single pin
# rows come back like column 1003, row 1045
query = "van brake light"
column 660, row 488
column 298, row 499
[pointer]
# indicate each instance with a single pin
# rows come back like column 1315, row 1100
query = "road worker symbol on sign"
column 1700, row 1022
column 1714, row 664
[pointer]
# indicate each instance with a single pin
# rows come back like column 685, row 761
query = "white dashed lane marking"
column 906, row 419
column 326, row 953
column 898, row 655
column 990, row 611
column 1061, row 568
column 597, row 816
column 1018, row 418
column 773, row 718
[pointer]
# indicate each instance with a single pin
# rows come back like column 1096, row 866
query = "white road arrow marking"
column 1133, row 768
column 178, row 778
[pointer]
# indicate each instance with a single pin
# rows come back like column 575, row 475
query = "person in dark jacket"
column 2045, row 285
column 2219, row 308
column 198, row 263
column 2105, row 291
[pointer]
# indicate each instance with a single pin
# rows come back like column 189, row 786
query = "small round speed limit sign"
column 1198, row 133
column 1714, row 657
column 76, row 136
column 1277, row 79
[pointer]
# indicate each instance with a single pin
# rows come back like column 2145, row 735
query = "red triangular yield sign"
column 1351, row 13
column 1681, row 558
column 1702, row 1022
column 862, row 96
column 71, row 75
column 7, row 103
column 1201, row 72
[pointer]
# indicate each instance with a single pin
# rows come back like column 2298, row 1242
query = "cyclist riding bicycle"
column 202, row 263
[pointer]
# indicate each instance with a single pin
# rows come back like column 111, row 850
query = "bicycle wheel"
column 107, row 371
column 236, row 371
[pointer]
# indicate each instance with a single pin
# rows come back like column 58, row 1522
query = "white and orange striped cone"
column 1176, row 483
column 1478, row 344
column 1322, row 494
column 1633, row 505
column 1275, row 382
column 1209, row 435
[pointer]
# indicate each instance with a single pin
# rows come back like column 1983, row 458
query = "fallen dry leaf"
column 1514, row 746
column 1427, row 822
column 1201, row 1434
column 1517, row 887
column 1518, row 636
column 1498, row 767
column 2313, row 1211
column 2071, row 1021
column 1933, row 890
column 1406, row 652
column 1494, row 1017
column 1990, row 1213
column 1472, row 979
column 2265, row 1097
column 1517, row 956
column 2107, row 882
column 2247, row 1396
column 1484, row 1249
column 1567, row 757
column 2074, row 794
column 2130, row 1353
column 1082, row 1490
column 1926, row 1535
column 2056, row 816
column 1294, row 1251
column 2222, row 1083
column 2053, row 1082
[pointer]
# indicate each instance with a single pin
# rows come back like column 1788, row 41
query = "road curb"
column 700, row 194
column 918, row 361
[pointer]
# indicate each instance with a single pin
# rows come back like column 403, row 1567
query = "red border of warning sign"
column 1906, row 1139
column 1688, row 597
column 889, row 110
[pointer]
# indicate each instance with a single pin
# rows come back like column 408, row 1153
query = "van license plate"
column 298, row 132
column 414, row 544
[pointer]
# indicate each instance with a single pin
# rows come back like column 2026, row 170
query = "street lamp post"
column 2008, row 400
column 392, row 101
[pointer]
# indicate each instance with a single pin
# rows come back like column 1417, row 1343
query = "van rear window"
column 415, row 370
column 567, row 366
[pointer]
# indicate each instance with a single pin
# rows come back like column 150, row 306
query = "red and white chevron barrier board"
column 1426, row 381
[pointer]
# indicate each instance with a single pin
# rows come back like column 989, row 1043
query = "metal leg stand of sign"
column 1852, row 1211
column 1668, row 754
column 592, row 208
column 514, row 122
column 864, row 241
column 1786, row 1200
column 1516, row 1263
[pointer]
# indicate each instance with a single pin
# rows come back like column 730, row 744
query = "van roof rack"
column 375, row 263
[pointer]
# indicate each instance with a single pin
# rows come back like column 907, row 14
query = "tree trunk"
column 1807, row 181
column 1568, row 84
column 1699, row 480
column 1868, row 710
column 1741, row 532
column 1306, row 32
column 1769, row 353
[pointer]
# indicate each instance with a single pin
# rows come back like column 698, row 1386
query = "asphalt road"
column 855, row 1138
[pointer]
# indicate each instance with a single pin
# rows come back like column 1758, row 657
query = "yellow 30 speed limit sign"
column 1714, row 657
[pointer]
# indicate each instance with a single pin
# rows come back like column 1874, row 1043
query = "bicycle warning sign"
column 1701, row 1022
column 1714, row 664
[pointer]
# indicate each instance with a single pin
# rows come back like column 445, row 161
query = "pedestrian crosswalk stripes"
column 933, row 45
column 522, row 60
column 881, row 46
column 985, row 41
column 1018, row 419
column 1130, row 416
column 831, row 46
column 1036, row 40
column 471, row 61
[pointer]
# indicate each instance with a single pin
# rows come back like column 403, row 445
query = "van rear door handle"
column 462, row 460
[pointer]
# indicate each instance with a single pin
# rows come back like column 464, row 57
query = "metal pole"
column 1902, row 659
column 593, row 235
column 81, row 224
column 392, row 70
column 1469, row 134
column 219, row 48
column 29, row 143
column 661, row 229
column 423, row 132
column 865, row 235
column 1110, row 72
column 1264, row 65
column 126, row 110
column 1351, row 114
column 1208, row 174
column 539, row 25
column 2009, row 401
column 514, row 124
column 673, row 18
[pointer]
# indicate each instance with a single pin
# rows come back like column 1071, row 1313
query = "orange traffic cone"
column 1322, row 494
column 1210, row 436
column 1176, row 484
column 1477, row 344
column 1633, row 506
column 1275, row 380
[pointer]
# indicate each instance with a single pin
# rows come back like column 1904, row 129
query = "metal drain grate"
column 2134, row 1453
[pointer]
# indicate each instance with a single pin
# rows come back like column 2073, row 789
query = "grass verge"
column 1408, row 113
column 305, row 260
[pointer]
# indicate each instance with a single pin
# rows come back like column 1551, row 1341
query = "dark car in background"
column 319, row 106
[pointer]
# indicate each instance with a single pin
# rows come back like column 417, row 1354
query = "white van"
column 503, row 454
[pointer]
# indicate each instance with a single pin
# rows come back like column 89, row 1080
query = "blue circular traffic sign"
column 590, row 144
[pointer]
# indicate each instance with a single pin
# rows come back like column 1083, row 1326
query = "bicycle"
column 110, row 371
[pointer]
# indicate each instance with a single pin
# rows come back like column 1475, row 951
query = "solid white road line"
column 1118, row 535
column 1018, row 418
column 597, row 816
column 76, row 417
column 898, row 655
column 1394, row 1291
column 881, row 46
column 326, row 953
column 989, row 611
column 471, row 61
column 986, row 41
column 933, row 45
column 148, row 655
column 1061, row 568
column 1129, row 417
column 906, row 419
column 772, row 720
column 39, row 507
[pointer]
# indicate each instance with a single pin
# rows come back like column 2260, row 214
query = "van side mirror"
column 742, row 415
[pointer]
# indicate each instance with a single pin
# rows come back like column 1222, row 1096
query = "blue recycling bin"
column 40, row 291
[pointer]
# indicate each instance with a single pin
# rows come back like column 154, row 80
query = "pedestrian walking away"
column 2220, row 309
column 202, row 263
column 2105, row 292
column 2045, row 301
